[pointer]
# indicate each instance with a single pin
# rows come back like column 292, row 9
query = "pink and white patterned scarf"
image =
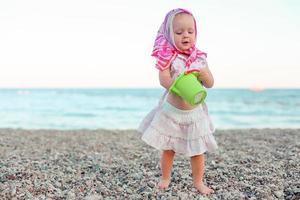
column 165, row 50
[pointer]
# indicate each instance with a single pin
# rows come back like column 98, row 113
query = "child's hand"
column 206, row 77
column 165, row 78
column 204, row 72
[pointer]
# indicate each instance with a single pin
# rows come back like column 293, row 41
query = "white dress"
column 187, row 132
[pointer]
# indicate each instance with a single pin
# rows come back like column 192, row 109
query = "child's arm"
column 165, row 78
column 206, row 77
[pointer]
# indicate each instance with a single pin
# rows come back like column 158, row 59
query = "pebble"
column 278, row 194
column 82, row 164
column 297, row 190
column 70, row 195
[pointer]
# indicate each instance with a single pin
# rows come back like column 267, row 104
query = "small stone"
column 278, row 193
column 92, row 197
column 296, row 190
column 69, row 170
column 151, row 184
column 142, row 189
column 183, row 195
column 119, row 189
column 71, row 195
column 57, row 184
column 28, row 195
column 13, row 190
column 41, row 196
column 129, row 191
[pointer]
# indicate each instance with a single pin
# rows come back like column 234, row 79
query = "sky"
column 93, row 43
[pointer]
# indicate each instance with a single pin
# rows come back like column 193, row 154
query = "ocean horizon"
column 124, row 108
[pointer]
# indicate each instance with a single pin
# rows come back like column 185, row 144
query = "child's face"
column 184, row 31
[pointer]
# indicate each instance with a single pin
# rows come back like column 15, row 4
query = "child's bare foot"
column 164, row 184
column 203, row 189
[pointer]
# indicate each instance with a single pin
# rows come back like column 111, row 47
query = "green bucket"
column 189, row 88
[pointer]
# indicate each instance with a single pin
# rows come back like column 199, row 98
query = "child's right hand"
column 165, row 78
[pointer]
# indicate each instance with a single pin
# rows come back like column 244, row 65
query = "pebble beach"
column 116, row 164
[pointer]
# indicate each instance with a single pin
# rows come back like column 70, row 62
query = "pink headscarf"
column 165, row 50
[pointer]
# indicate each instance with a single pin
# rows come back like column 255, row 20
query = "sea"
column 99, row 108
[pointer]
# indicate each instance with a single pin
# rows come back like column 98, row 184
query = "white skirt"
column 187, row 132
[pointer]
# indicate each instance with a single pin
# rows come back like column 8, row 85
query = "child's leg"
column 197, row 163
column 166, row 164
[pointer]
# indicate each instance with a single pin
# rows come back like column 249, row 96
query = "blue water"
column 124, row 108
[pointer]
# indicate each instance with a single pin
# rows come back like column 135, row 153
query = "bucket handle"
column 191, row 71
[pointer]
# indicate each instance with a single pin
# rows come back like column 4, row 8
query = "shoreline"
column 132, row 129
column 100, row 163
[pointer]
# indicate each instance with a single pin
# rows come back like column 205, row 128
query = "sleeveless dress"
column 187, row 132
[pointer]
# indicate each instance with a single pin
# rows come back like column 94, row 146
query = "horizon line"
column 248, row 88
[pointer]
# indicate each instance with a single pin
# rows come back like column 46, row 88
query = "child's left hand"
column 206, row 77
column 203, row 72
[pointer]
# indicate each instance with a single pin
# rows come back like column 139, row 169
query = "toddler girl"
column 174, row 126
